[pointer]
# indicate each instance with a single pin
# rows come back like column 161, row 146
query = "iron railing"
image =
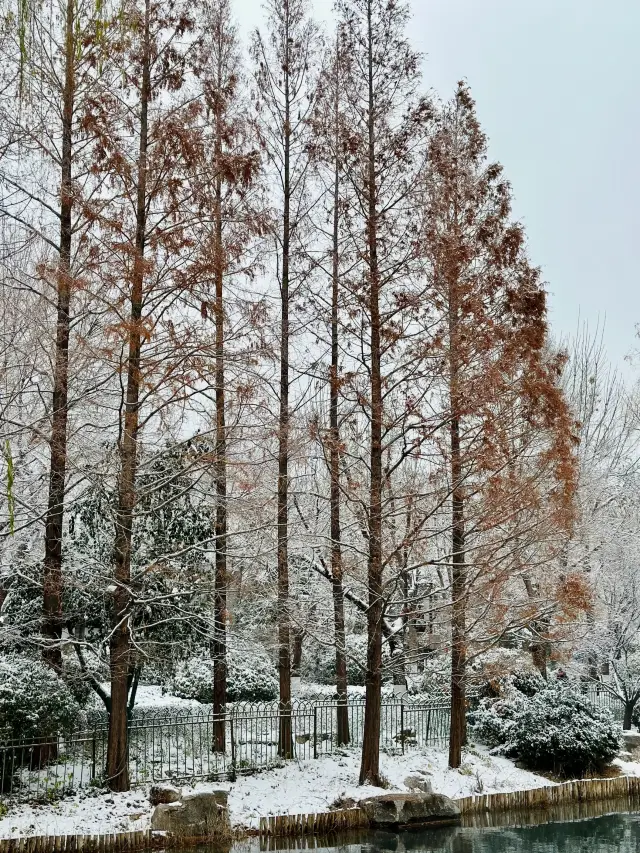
column 603, row 698
column 170, row 744
column 180, row 746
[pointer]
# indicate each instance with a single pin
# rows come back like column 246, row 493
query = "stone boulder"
column 418, row 782
column 201, row 815
column 414, row 809
column 164, row 794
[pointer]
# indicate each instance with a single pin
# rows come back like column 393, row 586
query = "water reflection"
column 583, row 828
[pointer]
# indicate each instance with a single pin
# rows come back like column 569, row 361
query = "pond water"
column 586, row 828
column 616, row 833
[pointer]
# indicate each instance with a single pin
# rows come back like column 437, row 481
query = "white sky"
column 557, row 83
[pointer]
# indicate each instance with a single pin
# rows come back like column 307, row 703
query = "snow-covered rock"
column 389, row 810
column 200, row 815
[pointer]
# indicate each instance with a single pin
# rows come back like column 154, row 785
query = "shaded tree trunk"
column 220, row 605
column 539, row 657
column 370, row 764
column 285, row 741
column 119, row 647
column 627, row 720
column 334, row 457
column 297, row 643
column 457, row 733
column 52, row 573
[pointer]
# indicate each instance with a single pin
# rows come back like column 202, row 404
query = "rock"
column 164, row 794
column 201, row 815
column 418, row 782
column 409, row 809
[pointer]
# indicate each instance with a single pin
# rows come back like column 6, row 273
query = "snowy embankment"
column 300, row 787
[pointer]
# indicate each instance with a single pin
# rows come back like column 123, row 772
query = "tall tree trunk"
column 297, row 645
column 628, row 715
column 119, row 648
column 220, row 605
column 539, row 648
column 334, row 453
column 457, row 732
column 52, row 574
column 285, row 742
column 539, row 653
column 370, row 764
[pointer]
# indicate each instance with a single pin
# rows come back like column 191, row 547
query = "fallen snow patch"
column 312, row 786
column 299, row 788
column 627, row 768
column 82, row 814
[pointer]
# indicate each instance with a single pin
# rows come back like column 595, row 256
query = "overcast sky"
column 557, row 86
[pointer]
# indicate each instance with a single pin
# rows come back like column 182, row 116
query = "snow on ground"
column 86, row 813
column 312, row 786
column 150, row 696
column 627, row 768
column 300, row 787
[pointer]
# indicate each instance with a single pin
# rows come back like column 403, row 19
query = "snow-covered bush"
column 493, row 720
column 77, row 682
column 555, row 729
column 251, row 677
column 563, row 731
column 319, row 661
column 435, row 679
column 526, row 682
column 34, row 701
column 498, row 670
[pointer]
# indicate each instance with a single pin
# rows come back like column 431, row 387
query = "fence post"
column 402, row 723
column 233, row 750
column 315, row 731
column 93, row 755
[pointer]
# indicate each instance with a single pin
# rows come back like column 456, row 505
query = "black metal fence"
column 603, row 698
column 179, row 746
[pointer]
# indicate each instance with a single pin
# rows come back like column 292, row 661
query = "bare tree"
column 387, row 122
column 286, row 71
column 56, row 71
column 225, row 192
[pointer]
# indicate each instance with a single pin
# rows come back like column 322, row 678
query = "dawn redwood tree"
column 53, row 68
column 334, row 438
column 286, row 63
column 492, row 343
column 227, row 171
column 52, row 573
column 329, row 152
column 148, row 152
column 387, row 122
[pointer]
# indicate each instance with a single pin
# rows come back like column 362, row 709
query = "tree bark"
column 334, row 455
column 539, row 658
column 285, row 741
column 297, row 644
column 220, row 605
column 457, row 732
column 52, row 570
column 628, row 715
column 119, row 649
column 370, row 763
